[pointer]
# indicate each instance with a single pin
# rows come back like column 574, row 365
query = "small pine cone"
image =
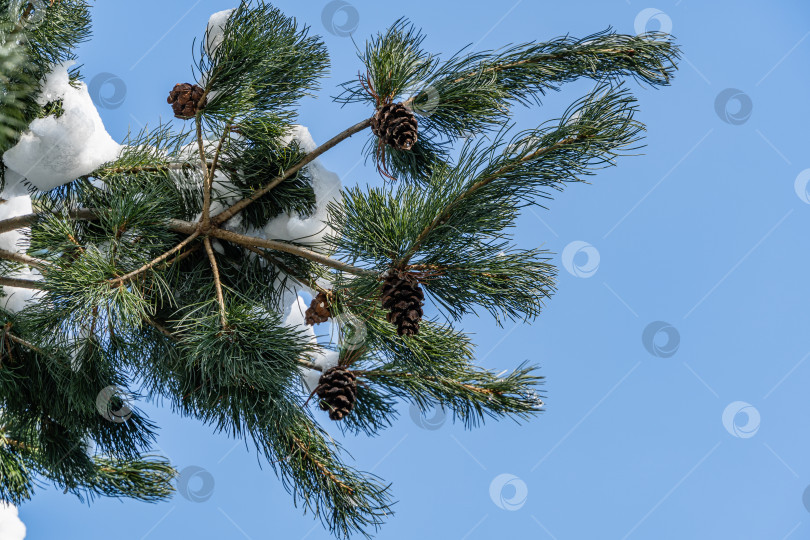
column 403, row 298
column 185, row 100
column 318, row 311
column 337, row 390
column 395, row 125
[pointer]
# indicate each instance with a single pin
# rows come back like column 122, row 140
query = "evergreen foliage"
column 149, row 288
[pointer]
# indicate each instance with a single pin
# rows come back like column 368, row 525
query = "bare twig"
column 123, row 279
column 208, row 179
column 24, row 259
column 26, row 220
column 190, row 228
column 162, row 329
column 224, row 216
column 207, row 176
column 24, row 343
column 179, row 166
column 21, row 283
column 217, row 281
column 293, row 249
column 310, row 365
column 218, row 150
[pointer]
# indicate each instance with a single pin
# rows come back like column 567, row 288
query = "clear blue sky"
column 705, row 232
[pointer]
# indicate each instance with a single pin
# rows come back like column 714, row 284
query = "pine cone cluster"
column 337, row 390
column 185, row 100
column 403, row 297
column 318, row 311
column 395, row 125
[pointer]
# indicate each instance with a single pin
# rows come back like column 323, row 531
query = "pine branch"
column 127, row 288
column 148, row 479
column 264, row 62
column 471, row 394
column 444, row 214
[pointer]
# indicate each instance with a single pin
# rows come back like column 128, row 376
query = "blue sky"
column 694, row 429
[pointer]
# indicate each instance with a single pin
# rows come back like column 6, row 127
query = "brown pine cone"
column 318, row 311
column 395, row 125
column 403, row 297
column 185, row 100
column 337, row 390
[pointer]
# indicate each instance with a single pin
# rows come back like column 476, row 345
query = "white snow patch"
column 216, row 30
column 11, row 527
column 16, row 240
column 55, row 151
column 326, row 184
column 324, row 360
column 294, row 313
column 17, row 298
column 15, row 185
